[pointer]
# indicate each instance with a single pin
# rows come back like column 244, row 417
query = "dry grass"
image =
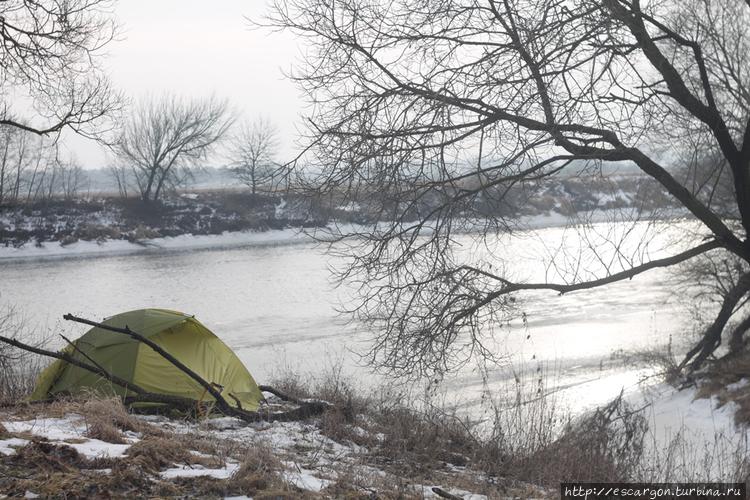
column 259, row 474
column 258, row 459
column 107, row 418
column 605, row 446
column 158, row 453
column 115, row 412
column 527, row 440
column 103, row 430
column 523, row 441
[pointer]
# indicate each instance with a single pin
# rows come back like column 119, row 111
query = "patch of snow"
column 280, row 209
column 224, row 423
column 54, row 429
column 200, row 454
column 199, row 471
column 94, row 448
column 68, row 431
column 304, row 479
column 740, row 384
column 352, row 206
column 703, row 436
column 8, row 446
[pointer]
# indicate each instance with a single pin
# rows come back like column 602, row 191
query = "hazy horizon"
column 180, row 47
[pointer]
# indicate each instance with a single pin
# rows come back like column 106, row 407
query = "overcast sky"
column 196, row 48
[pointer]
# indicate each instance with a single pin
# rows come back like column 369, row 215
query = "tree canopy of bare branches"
column 424, row 108
column 165, row 137
column 252, row 155
column 50, row 59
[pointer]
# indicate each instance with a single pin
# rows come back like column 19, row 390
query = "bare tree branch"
column 439, row 119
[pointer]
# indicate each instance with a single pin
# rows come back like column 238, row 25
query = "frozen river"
column 275, row 306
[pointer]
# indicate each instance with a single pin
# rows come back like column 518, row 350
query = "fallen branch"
column 279, row 394
column 444, row 494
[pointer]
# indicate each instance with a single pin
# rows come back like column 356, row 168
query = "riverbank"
column 369, row 445
column 142, row 239
column 90, row 225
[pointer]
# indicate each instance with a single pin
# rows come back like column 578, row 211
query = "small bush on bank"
column 18, row 369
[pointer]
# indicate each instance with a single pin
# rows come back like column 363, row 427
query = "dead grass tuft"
column 282, row 494
column 260, row 475
column 49, row 457
column 155, row 454
column 106, row 418
column 132, row 476
column 115, row 411
column 259, row 459
column 3, row 431
column 103, row 430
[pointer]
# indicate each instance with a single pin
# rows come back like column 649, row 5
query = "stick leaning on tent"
column 306, row 408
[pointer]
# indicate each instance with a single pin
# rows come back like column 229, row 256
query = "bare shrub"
column 606, row 445
column 662, row 359
column 293, row 383
column 18, row 369
column 526, row 438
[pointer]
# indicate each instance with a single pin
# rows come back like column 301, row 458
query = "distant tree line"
column 31, row 169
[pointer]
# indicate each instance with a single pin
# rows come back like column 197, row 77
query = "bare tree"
column 424, row 108
column 252, row 155
column 72, row 179
column 166, row 137
column 121, row 175
column 50, row 59
column 24, row 158
column 42, row 169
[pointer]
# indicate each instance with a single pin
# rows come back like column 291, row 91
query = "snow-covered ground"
column 70, row 430
column 692, row 438
column 689, row 440
column 310, row 461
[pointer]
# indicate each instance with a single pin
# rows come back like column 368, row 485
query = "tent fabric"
column 177, row 333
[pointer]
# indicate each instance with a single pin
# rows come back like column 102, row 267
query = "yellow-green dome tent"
column 179, row 334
